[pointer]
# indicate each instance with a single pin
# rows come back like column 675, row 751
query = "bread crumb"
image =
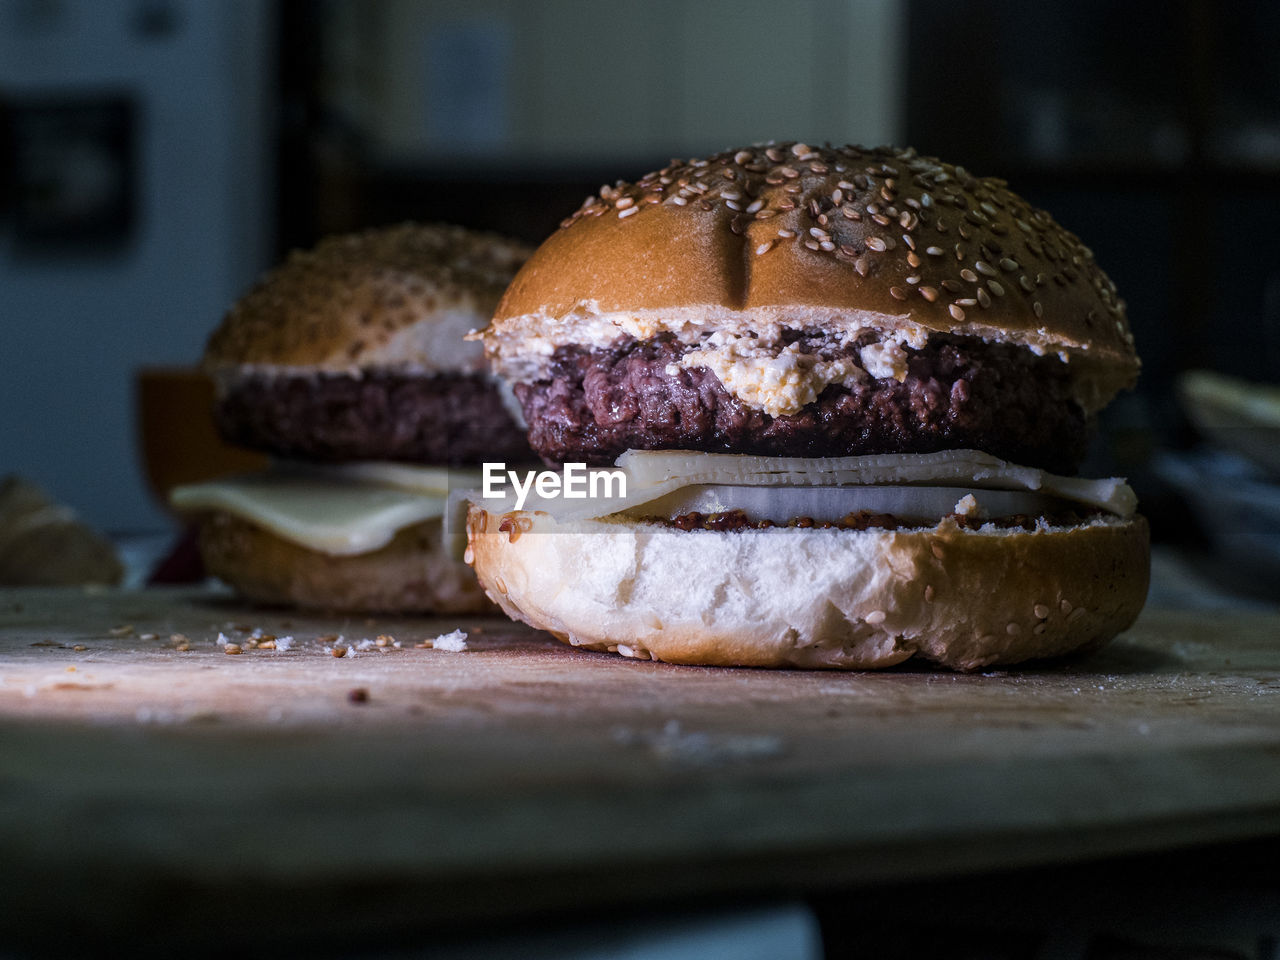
column 123, row 630
column 281, row 644
column 454, row 642
column 223, row 639
column 79, row 648
column 231, row 648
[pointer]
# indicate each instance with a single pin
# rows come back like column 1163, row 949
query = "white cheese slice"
column 651, row 474
column 402, row 476
column 326, row 513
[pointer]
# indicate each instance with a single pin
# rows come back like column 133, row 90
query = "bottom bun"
column 414, row 573
column 789, row 597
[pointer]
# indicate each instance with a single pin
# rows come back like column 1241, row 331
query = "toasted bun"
column 402, row 297
column 835, row 239
column 785, row 597
column 414, row 573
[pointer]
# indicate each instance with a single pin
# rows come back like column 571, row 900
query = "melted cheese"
column 319, row 510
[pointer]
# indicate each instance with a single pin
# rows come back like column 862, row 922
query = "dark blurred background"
column 157, row 154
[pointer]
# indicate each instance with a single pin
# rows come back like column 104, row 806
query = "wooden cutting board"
column 156, row 783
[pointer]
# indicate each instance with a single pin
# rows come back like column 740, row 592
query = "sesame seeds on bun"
column 395, row 298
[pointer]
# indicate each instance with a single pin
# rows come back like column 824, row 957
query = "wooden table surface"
column 401, row 786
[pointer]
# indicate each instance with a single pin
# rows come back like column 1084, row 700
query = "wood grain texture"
column 146, row 783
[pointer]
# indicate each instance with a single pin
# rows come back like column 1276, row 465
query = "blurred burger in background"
column 347, row 365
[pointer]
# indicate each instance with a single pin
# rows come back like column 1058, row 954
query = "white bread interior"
column 786, row 597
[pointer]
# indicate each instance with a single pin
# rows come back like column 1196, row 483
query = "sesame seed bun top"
column 400, row 297
column 837, row 239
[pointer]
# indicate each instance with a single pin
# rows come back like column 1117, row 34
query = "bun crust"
column 965, row 599
column 840, row 238
column 398, row 297
column 414, row 573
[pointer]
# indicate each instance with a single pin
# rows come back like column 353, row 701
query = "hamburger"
column 347, row 364
column 847, row 388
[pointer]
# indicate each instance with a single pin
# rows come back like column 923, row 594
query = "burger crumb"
column 358, row 695
column 454, row 642
column 338, row 651
column 79, row 648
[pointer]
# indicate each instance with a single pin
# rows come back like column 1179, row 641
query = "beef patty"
column 957, row 393
column 450, row 418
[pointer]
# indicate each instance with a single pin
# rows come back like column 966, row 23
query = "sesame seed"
column 789, row 172
column 801, row 149
column 741, row 157
column 733, row 205
column 934, row 251
column 811, row 244
column 837, row 196
column 827, row 245
column 928, row 593
column 897, row 293
column 862, row 265
column 967, row 302
column 625, row 202
column 985, row 268
column 1025, row 283
column 984, row 298
column 1013, row 629
column 875, row 617
column 1008, row 264
column 913, row 279
column 623, row 214
column 913, row 259
column 967, row 274
column 996, row 288
column 819, row 233
column 1038, row 309
column 929, row 293
column 679, row 201
column 755, row 205
column 786, row 234
column 764, row 248
column 876, row 244
column 956, row 311
column 1041, row 611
